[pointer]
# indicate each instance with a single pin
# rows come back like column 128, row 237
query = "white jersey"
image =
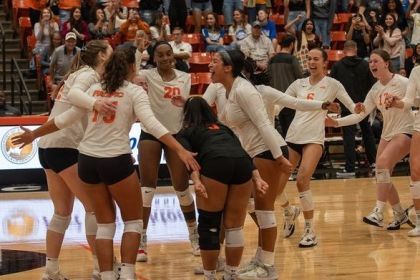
column 274, row 100
column 309, row 126
column 160, row 94
column 245, row 113
column 70, row 136
column 396, row 121
column 413, row 90
column 108, row 136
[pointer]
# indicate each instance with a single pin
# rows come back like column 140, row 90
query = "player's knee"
column 185, row 197
column 106, row 231
column 59, row 223
column 266, row 219
column 234, row 237
column 209, row 229
column 135, row 226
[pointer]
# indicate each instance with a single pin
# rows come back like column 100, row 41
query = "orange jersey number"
column 108, row 118
column 171, row 92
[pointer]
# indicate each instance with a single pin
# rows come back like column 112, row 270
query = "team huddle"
column 236, row 159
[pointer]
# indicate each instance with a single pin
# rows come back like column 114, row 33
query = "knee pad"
column 306, row 200
column 59, row 223
column 106, row 231
column 251, row 206
column 91, row 227
column 234, row 237
column 383, row 176
column 135, row 226
column 185, row 197
column 148, row 193
column 415, row 189
column 209, row 229
column 266, row 219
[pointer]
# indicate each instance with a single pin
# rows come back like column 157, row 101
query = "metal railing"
column 25, row 99
column 3, row 50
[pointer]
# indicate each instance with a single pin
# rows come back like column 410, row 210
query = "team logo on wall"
column 14, row 153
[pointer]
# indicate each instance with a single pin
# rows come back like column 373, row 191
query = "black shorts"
column 57, row 159
column 148, row 136
column 269, row 156
column 93, row 170
column 298, row 148
column 228, row 170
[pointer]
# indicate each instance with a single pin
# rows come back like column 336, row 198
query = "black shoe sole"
column 307, row 246
column 369, row 222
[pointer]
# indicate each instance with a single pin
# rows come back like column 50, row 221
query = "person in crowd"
column 129, row 28
column 413, row 60
column 182, row 50
column 358, row 32
column 213, row 33
column 150, row 9
column 100, row 28
column 294, row 8
column 65, row 8
column 322, row 14
column 160, row 29
column 43, row 30
column 239, row 29
column 47, row 53
column 268, row 27
column 200, row 8
column 177, row 13
column 115, row 14
column 78, row 26
column 254, row 6
column 353, row 73
column 229, row 8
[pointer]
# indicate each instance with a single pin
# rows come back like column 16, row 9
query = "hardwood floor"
column 347, row 248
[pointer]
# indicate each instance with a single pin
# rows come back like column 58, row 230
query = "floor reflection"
column 12, row 261
column 27, row 221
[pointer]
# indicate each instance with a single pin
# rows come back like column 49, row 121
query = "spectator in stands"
column 182, row 50
column 150, row 9
column 200, row 7
column 78, row 26
column 395, row 8
column 268, row 27
column 254, row 6
column 353, row 72
column 414, row 13
column 47, row 52
column 294, row 8
column 6, row 110
column 229, row 9
column 389, row 38
column 177, row 12
column 115, row 13
column 129, row 28
column 413, row 60
column 160, row 29
column 100, row 28
column 306, row 39
column 62, row 58
column 258, row 47
column 240, row 29
column 357, row 31
column 43, row 30
column 35, row 9
column 65, row 9
column 284, row 69
column 213, row 34
column 322, row 13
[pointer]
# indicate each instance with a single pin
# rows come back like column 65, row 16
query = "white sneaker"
column 194, row 243
column 250, row 266
column 220, row 267
column 53, row 276
column 414, row 232
column 289, row 221
column 142, row 252
column 96, row 275
column 260, row 271
column 375, row 218
column 399, row 220
column 308, row 239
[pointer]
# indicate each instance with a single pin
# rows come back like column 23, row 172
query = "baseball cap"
column 70, row 35
column 256, row 24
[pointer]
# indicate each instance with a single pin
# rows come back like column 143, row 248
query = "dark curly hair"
column 117, row 69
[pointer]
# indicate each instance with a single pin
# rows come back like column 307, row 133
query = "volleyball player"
column 306, row 134
column 406, row 103
column 395, row 139
column 58, row 156
column 223, row 185
column 164, row 82
column 105, row 164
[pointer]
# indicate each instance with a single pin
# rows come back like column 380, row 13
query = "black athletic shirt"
column 214, row 141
